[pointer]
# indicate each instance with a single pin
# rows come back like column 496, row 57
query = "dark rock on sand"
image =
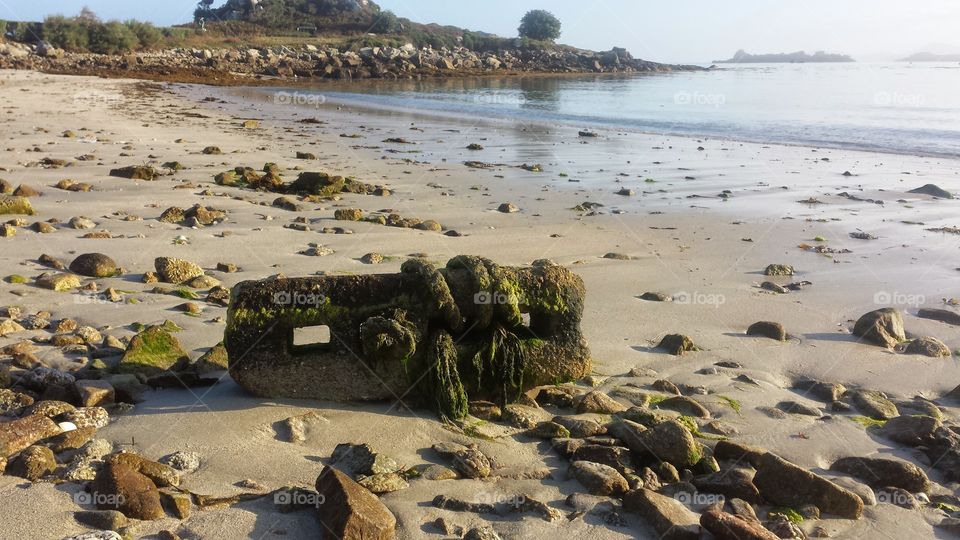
column 784, row 484
column 928, row 346
column 878, row 472
column 942, row 315
column 677, row 344
column 772, row 330
column 95, row 265
column 932, row 190
column 670, row 518
column 33, row 463
column 779, row 270
column 913, row 430
column 724, row 526
column 883, row 327
column 874, row 404
column 120, row 487
column 599, row 479
column 350, row 511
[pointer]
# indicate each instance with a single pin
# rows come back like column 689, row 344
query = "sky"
column 668, row 31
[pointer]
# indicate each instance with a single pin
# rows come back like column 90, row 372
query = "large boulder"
column 95, row 265
column 882, row 327
column 784, row 484
column 878, row 472
column 350, row 511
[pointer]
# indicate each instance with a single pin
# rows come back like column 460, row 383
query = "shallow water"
column 893, row 107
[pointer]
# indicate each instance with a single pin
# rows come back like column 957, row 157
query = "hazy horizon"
column 691, row 31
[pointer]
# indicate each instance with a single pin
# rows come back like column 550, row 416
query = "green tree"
column 541, row 25
column 386, row 22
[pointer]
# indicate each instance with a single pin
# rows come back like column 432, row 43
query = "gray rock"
column 911, row 430
column 928, row 346
column 599, row 479
column 879, row 472
column 874, row 404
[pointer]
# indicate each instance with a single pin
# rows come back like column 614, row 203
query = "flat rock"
column 724, row 526
column 599, row 479
column 671, row 519
column 598, row 402
column 928, row 346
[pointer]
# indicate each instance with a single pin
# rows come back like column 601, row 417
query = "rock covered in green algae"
column 12, row 205
column 151, row 352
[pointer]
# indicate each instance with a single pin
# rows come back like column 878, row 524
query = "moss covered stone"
column 11, row 205
column 151, row 352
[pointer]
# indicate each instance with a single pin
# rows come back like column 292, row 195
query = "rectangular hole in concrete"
column 311, row 335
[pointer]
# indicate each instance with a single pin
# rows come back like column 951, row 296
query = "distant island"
column 931, row 57
column 800, row 57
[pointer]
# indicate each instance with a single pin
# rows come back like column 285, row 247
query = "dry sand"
column 692, row 247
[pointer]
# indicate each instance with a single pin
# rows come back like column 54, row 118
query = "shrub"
column 386, row 23
column 64, row 33
column 112, row 38
column 540, row 24
column 147, row 34
column 3, row 28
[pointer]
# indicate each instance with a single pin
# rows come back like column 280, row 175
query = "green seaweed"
column 792, row 515
column 867, row 422
column 733, row 403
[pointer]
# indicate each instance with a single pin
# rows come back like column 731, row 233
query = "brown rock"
column 119, row 487
column 671, row 519
column 784, row 484
column 883, row 327
column 724, row 526
column 33, row 463
column 350, row 511
column 17, row 435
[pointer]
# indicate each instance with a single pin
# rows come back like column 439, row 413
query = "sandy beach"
column 698, row 220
